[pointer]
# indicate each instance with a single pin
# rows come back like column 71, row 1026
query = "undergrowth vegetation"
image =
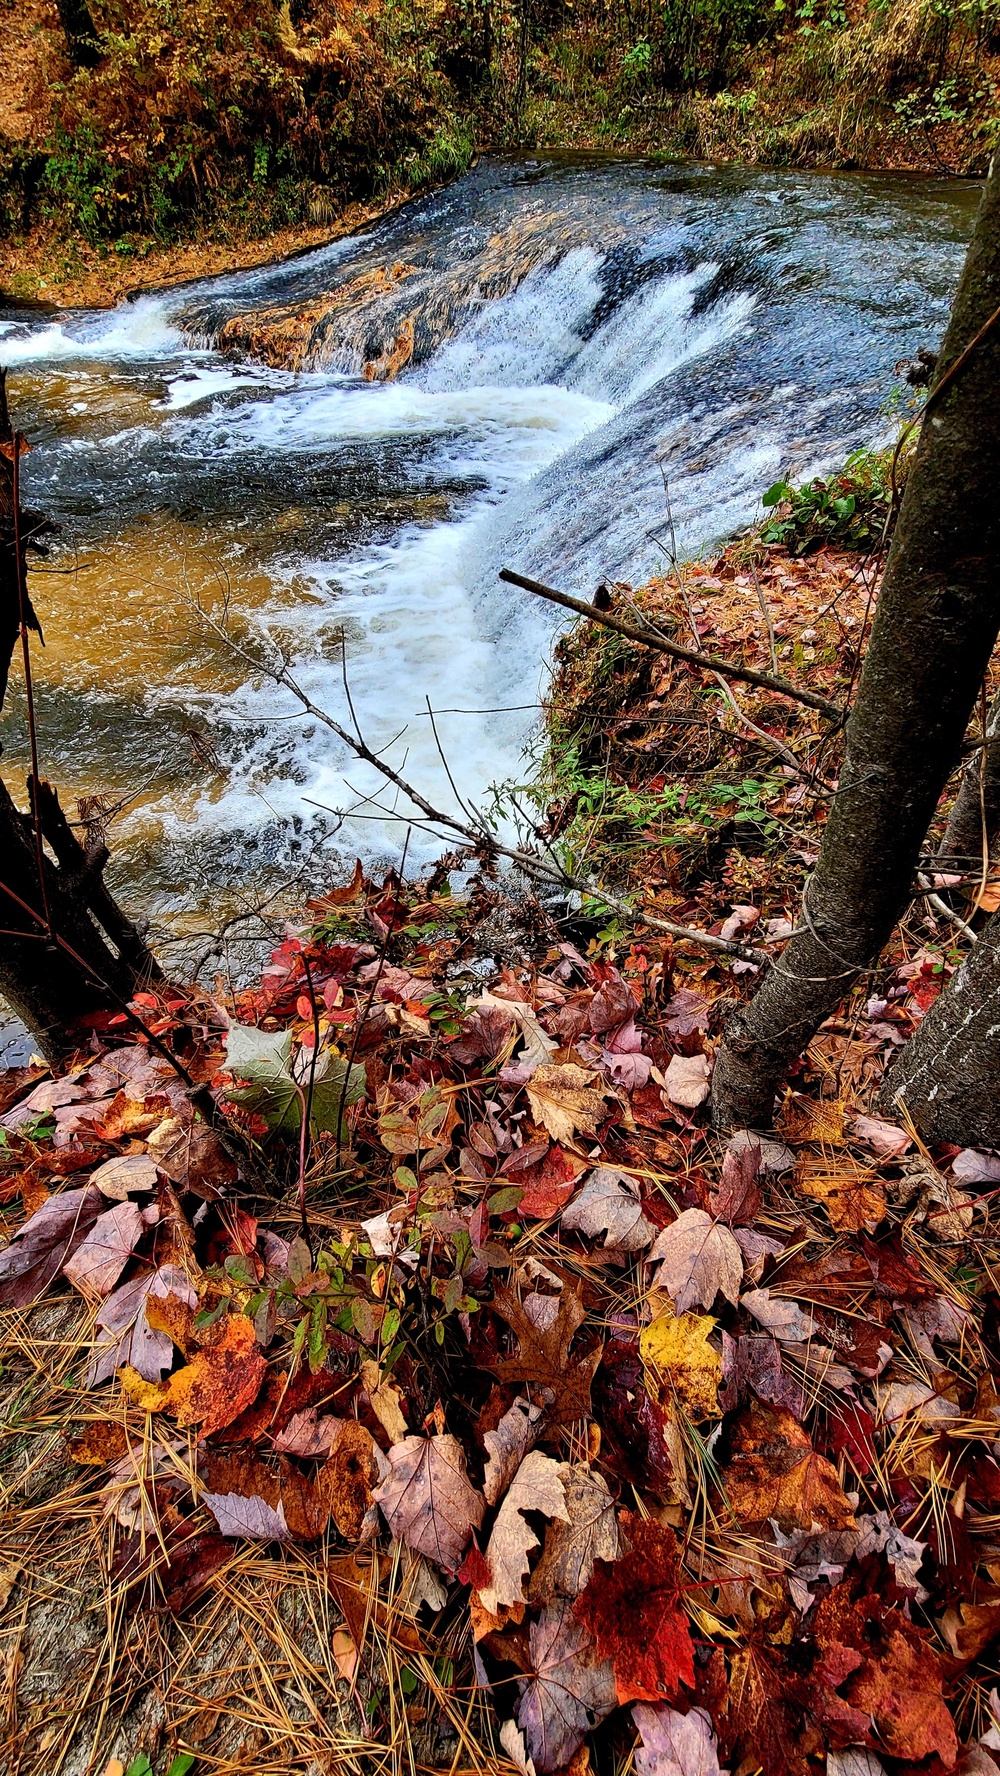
column 247, row 119
column 650, row 783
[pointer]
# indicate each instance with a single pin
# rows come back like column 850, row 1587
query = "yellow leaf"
column 812, row 1119
column 686, row 1366
column 150, row 1395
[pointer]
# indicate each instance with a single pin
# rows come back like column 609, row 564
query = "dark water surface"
column 716, row 325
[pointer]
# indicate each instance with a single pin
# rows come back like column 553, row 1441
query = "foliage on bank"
column 247, row 119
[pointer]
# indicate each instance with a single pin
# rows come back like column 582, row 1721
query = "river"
column 586, row 331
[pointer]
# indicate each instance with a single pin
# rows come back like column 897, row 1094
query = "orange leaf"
column 219, row 1382
column 774, row 1471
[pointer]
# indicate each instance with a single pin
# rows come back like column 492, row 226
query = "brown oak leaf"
column 560, row 1383
column 632, row 1608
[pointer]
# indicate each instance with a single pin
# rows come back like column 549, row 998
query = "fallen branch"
column 767, row 681
column 477, row 836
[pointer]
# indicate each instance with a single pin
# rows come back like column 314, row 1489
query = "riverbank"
column 179, row 153
column 371, row 1451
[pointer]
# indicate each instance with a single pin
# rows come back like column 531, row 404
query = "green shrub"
column 851, row 509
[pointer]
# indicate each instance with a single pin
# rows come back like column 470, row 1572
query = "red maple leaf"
column 632, row 1608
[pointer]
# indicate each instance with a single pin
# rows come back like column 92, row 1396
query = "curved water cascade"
column 347, row 447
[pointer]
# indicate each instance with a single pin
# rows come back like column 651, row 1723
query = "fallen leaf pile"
column 700, row 1438
column 685, row 1451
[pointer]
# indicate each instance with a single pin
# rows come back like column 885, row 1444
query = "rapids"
column 576, row 334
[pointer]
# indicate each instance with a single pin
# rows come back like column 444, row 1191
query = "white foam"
column 531, row 409
column 140, row 329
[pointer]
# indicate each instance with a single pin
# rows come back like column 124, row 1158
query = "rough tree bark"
column 934, row 630
column 974, row 820
column 946, row 1076
column 66, row 947
column 78, row 29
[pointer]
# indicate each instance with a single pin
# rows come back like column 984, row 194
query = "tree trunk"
column 934, row 630
column 974, row 821
column 78, row 29
column 66, row 947
column 94, row 958
column 31, row 523
column 946, row 1076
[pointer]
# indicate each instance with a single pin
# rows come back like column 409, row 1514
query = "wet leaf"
column 588, row 1532
column 559, row 1383
column 250, row 1517
column 537, row 1487
column 673, row 1744
column 309, row 1434
column 428, row 1501
column 566, row 1104
column 609, row 1203
column 878, row 1682
column 570, row 1689
column 549, row 1184
column 219, row 1382
column 853, row 1199
column 738, row 1196
column 345, row 1484
column 519, row 1428
column 128, row 1174
column 635, row 1429
column 783, row 1319
column 129, row 1339
column 686, row 1080
column 40, row 1248
column 758, row 1719
column 632, row 1608
column 774, row 1472
column 686, row 1367
column 99, row 1260
column 699, row 1259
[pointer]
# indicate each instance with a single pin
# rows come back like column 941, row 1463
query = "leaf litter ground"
column 563, row 1435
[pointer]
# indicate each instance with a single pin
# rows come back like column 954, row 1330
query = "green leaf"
column 776, row 493
column 181, row 1764
column 278, row 1099
column 140, row 1766
column 502, row 1201
column 264, row 1056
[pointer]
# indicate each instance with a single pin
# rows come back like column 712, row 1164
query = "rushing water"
column 711, row 326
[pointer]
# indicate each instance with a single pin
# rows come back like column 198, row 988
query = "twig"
column 29, row 693
column 767, row 681
column 363, row 1018
column 941, row 906
column 476, row 836
column 307, row 1104
column 765, row 611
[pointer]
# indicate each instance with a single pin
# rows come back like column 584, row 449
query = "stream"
column 584, row 334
